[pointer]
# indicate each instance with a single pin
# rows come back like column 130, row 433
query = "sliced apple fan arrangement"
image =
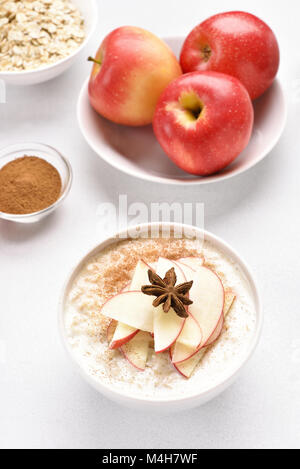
column 178, row 307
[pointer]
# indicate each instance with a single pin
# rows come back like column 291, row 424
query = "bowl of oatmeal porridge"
column 103, row 297
column 40, row 39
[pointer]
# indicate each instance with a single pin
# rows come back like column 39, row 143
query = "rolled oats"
column 35, row 33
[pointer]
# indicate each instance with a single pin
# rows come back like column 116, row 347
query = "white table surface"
column 44, row 403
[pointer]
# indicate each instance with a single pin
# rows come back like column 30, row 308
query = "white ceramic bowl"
column 89, row 10
column 135, row 151
column 190, row 400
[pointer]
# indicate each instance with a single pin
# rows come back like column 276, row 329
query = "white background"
column 44, row 403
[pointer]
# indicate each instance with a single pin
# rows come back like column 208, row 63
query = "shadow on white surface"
column 104, row 424
column 12, row 232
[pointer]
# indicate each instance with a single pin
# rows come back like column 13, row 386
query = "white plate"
column 196, row 398
column 135, row 151
column 89, row 11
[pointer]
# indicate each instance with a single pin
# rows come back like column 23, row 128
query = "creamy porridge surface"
column 108, row 273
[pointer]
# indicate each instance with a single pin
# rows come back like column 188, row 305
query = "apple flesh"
column 122, row 335
column 235, row 43
column 217, row 331
column 188, row 341
column 124, row 330
column 207, row 294
column 132, row 308
column 167, row 326
column 203, row 121
column 163, row 265
column 140, row 276
column 111, row 330
column 136, row 351
column 190, row 337
column 132, row 67
column 229, row 300
column 187, row 367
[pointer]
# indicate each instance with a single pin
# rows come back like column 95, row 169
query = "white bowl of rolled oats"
column 40, row 39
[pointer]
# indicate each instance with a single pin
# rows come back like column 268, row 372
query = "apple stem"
column 206, row 53
column 91, row 59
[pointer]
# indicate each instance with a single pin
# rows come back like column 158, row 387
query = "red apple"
column 203, row 121
column 132, row 67
column 236, row 43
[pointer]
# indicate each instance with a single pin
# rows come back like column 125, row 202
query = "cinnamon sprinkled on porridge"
column 108, row 273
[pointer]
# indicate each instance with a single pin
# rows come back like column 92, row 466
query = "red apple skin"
column 235, row 43
column 119, row 343
column 129, row 361
column 170, row 345
column 136, row 66
column 208, row 144
column 111, row 330
column 174, row 364
column 217, row 332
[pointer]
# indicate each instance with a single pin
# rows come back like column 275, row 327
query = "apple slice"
column 217, row 331
column 140, row 276
column 188, row 271
column 192, row 262
column 229, row 300
column 122, row 335
column 136, row 351
column 163, row 265
column 183, row 352
column 207, row 294
column 123, row 332
column 111, row 330
column 188, row 341
column 132, row 308
column 187, row 367
column 167, row 326
column 191, row 336
column 126, row 288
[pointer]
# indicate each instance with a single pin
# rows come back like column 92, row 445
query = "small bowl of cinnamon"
column 34, row 180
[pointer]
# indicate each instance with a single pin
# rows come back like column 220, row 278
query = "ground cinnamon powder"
column 27, row 185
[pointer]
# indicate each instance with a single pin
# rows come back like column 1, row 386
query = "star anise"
column 167, row 293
